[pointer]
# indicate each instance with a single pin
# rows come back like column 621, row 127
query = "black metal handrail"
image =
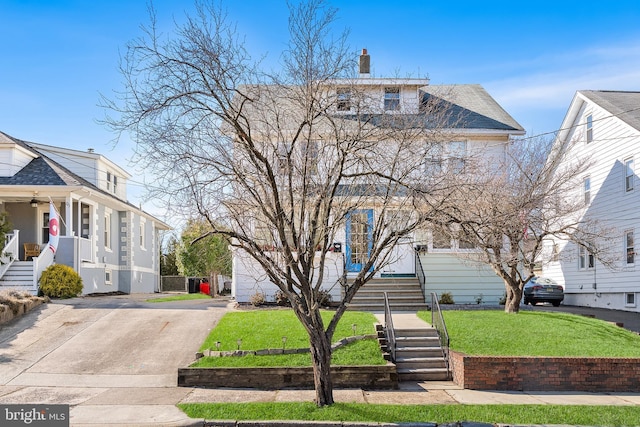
column 389, row 331
column 420, row 274
column 437, row 320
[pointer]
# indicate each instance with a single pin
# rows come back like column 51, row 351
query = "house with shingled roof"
column 602, row 128
column 425, row 261
column 111, row 243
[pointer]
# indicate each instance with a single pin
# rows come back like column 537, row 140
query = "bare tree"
column 271, row 161
column 512, row 217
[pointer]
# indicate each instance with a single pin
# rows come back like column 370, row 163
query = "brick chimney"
column 365, row 64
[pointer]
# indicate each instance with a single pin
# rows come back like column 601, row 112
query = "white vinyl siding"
column 610, row 177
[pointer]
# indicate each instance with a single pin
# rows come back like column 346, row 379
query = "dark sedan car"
column 541, row 289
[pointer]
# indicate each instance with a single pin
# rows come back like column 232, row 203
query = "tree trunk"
column 321, row 359
column 514, row 296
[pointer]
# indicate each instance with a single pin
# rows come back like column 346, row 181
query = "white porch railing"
column 44, row 260
column 9, row 252
column 86, row 249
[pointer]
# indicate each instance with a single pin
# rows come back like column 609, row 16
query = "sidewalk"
column 156, row 406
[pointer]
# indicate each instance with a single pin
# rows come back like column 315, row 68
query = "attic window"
column 391, row 98
column 589, row 128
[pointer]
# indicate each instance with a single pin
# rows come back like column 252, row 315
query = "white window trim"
column 626, row 301
column 589, row 129
column 108, row 276
column 587, row 256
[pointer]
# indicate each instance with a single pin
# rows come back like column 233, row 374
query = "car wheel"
column 556, row 303
column 526, row 301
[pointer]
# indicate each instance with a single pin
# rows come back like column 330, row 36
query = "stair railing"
column 437, row 321
column 420, row 275
column 389, row 330
column 9, row 251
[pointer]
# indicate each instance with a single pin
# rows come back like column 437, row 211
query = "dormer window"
column 391, row 98
column 344, row 99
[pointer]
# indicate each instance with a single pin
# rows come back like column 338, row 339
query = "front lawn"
column 528, row 333
column 356, row 412
column 265, row 329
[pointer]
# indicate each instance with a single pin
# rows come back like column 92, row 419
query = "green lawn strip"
column 444, row 413
column 264, row 329
column 496, row 333
column 179, row 297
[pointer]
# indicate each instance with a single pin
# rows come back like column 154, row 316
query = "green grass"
column 496, row 333
column 264, row 329
column 179, row 297
column 447, row 413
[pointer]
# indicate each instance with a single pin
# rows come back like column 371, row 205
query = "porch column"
column 68, row 212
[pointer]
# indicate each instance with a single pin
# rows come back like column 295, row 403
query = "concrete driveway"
column 106, row 356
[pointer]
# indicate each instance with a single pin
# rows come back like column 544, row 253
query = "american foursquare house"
column 111, row 243
column 482, row 126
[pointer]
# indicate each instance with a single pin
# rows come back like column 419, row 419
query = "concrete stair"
column 404, row 294
column 19, row 277
column 419, row 356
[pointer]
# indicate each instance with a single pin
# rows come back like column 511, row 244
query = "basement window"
column 629, row 299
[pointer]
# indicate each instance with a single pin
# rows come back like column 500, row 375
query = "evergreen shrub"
column 60, row 281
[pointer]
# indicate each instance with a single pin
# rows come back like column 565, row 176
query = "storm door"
column 359, row 238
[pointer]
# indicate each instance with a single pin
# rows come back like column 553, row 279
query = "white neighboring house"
column 484, row 128
column 112, row 244
column 605, row 127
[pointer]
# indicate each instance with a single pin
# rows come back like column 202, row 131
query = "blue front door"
column 359, row 238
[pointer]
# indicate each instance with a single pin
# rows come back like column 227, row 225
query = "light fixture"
column 284, row 342
column 34, row 203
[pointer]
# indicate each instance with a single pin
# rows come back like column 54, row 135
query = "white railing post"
column 10, row 251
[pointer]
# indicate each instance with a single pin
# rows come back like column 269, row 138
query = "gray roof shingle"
column 624, row 104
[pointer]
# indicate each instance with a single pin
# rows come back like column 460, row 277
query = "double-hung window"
column 589, row 128
column 628, row 175
column 587, row 190
column 586, row 260
column 391, row 98
column 343, row 99
column 629, row 248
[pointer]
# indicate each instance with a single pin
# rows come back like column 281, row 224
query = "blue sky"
column 57, row 56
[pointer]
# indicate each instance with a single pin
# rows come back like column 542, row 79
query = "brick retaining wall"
column 590, row 374
column 367, row 377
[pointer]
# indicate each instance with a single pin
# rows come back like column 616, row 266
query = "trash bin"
column 194, row 285
column 204, row 287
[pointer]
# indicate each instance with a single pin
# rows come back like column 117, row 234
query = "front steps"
column 404, row 294
column 19, row 277
column 419, row 356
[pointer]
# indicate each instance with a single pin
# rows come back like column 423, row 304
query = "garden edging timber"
column 586, row 374
column 7, row 314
